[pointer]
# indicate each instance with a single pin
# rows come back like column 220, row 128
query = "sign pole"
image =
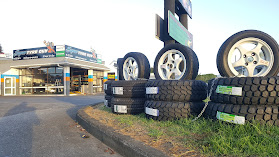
column 169, row 5
column 183, row 18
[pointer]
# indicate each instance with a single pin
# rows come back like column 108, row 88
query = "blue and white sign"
column 34, row 53
column 79, row 54
column 187, row 5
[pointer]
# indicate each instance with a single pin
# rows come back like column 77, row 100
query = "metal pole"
column 183, row 18
column 169, row 5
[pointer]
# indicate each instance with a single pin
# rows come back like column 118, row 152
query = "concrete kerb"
column 122, row 144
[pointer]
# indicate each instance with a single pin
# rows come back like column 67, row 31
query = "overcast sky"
column 116, row 27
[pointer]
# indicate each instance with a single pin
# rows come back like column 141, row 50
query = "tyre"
column 246, row 90
column 107, row 100
column 129, row 89
column 163, row 110
column 176, row 62
column 135, row 65
column 265, row 114
column 176, row 90
column 248, row 53
column 107, row 87
column 120, row 62
column 127, row 105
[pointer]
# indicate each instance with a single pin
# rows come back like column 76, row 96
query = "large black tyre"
column 135, row 65
column 163, row 110
column 127, row 105
column 184, row 66
column 255, row 90
column 249, row 59
column 107, row 100
column 129, row 89
column 176, row 90
column 107, row 87
column 120, row 62
column 265, row 113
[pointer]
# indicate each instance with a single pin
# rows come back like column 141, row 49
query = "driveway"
column 45, row 126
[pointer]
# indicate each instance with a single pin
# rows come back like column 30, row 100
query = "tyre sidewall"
column 222, row 57
column 142, row 62
column 188, row 54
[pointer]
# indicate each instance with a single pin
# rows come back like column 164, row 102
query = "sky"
column 115, row 27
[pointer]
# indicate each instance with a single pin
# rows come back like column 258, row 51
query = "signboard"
column 178, row 32
column 60, row 51
column 34, row 53
column 79, row 54
column 56, row 51
column 159, row 27
column 187, row 5
column 111, row 76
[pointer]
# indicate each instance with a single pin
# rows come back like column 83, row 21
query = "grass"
column 210, row 138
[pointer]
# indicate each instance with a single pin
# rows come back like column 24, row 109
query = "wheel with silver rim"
column 130, row 69
column 135, row 66
column 176, row 62
column 248, row 53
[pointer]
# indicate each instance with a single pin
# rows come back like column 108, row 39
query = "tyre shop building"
column 52, row 70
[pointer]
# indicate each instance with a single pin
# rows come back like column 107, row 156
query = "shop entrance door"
column 9, row 85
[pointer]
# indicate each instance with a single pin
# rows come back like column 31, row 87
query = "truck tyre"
column 129, row 89
column 107, row 100
column 253, row 90
column 176, row 90
column 127, row 105
column 163, row 110
column 107, row 87
column 264, row 114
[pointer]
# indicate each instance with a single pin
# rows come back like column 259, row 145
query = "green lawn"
column 211, row 138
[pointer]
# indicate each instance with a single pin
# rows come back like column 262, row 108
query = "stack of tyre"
column 128, row 97
column 174, row 99
column 108, row 92
column 255, row 98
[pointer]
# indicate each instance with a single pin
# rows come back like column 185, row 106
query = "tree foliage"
column 205, row 77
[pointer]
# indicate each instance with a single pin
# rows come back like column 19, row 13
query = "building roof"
column 5, row 65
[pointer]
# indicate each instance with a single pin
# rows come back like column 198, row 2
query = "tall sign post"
column 170, row 30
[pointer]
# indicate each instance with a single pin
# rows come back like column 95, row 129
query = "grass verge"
column 194, row 138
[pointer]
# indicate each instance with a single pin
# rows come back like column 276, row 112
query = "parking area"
column 45, row 126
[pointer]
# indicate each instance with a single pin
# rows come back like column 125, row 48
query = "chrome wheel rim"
column 130, row 69
column 250, row 57
column 172, row 65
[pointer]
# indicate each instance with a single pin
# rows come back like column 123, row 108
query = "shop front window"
column 42, row 81
column 26, row 81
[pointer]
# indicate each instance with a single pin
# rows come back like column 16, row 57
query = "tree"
column 205, row 77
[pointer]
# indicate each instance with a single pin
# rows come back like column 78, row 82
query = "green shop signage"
column 178, row 32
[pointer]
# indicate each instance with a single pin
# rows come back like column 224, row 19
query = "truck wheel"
column 248, row 53
column 176, row 62
column 135, row 65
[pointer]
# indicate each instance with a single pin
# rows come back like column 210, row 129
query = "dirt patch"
column 138, row 130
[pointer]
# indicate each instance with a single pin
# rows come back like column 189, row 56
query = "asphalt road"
column 45, row 126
